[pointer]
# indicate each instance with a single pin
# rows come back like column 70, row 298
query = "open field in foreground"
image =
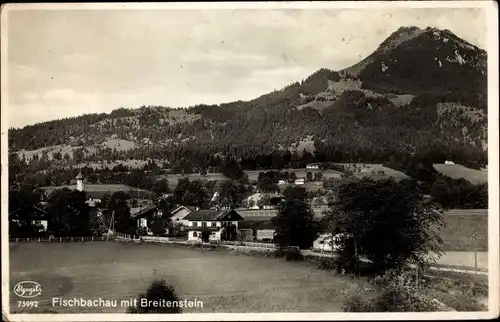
column 223, row 281
column 457, row 171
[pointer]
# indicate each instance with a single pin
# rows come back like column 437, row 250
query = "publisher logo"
column 28, row 289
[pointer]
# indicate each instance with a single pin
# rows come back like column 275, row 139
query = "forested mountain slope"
column 420, row 91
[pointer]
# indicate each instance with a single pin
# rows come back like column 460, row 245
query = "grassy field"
column 223, row 281
column 458, row 230
column 252, row 175
column 457, row 171
column 374, row 171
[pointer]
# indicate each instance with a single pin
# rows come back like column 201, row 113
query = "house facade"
column 213, row 221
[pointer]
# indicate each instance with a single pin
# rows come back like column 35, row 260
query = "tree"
column 229, row 233
column 161, row 187
column 318, row 176
column 118, row 205
column 295, row 192
column 389, row 223
column 157, row 291
column 69, row 213
column 294, row 224
column 97, row 224
column 264, row 201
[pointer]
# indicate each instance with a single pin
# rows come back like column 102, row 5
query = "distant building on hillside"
column 313, row 166
column 300, row 181
column 449, row 162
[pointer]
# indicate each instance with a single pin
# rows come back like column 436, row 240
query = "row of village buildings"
column 252, row 224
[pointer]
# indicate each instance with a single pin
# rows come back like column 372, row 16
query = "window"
column 195, row 224
column 195, row 234
column 177, row 219
column 204, row 224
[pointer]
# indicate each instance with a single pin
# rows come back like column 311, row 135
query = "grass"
column 457, row 171
column 458, row 230
column 461, row 292
column 373, row 171
column 224, row 282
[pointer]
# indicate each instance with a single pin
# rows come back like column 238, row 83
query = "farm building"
column 179, row 214
column 449, row 162
column 212, row 220
column 261, row 230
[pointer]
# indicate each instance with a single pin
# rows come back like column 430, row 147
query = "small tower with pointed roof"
column 79, row 181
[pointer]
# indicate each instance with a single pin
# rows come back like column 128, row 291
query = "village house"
column 212, row 220
column 149, row 217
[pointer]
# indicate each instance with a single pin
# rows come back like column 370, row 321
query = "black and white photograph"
column 250, row 161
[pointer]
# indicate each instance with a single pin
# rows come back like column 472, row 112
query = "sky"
column 64, row 63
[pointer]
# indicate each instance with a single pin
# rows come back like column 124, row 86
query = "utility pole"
column 474, row 238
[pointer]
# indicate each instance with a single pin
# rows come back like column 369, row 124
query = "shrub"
column 327, row 264
column 394, row 293
column 289, row 254
column 158, row 290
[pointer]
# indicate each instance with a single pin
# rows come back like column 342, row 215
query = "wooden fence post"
column 27, row 240
column 60, row 239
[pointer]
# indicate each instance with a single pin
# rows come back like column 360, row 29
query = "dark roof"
column 255, row 224
column 213, row 215
column 268, row 213
column 257, row 212
column 144, row 212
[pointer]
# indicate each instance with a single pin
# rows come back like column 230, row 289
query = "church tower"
column 79, row 182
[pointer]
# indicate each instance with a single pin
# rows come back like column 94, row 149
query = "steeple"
column 79, row 181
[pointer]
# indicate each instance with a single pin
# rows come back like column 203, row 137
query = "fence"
column 243, row 243
column 59, row 239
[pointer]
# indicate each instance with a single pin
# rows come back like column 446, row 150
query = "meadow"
column 459, row 228
column 223, row 281
column 457, row 171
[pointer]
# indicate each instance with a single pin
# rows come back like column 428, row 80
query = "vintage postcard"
column 250, row 161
